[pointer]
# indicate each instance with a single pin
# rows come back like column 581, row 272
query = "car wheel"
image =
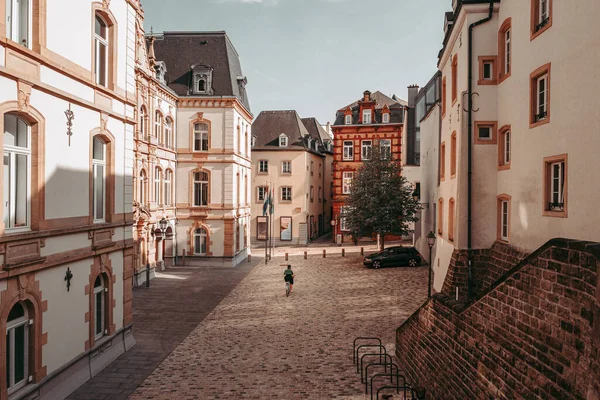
column 412, row 262
column 376, row 264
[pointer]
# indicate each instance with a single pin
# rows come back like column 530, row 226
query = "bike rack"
column 391, row 375
column 397, row 387
column 385, row 363
column 380, row 346
column 354, row 354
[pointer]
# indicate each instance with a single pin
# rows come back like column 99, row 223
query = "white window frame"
column 168, row 195
column 158, row 123
column 343, row 226
column 168, row 141
column 385, row 118
column 201, row 136
column 489, row 127
column 11, row 327
column 286, row 167
column 13, row 25
column 96, row 165
column 541, row 98
column 261, row 190
column 557, row 183
column 12, row 152
column 366, row 149
column 157, row 185
column 99, row 291
column 506, row 155
column 263, row 166
column 366, row 117
column 202, row 185
column 504, row 220
column 348, row 150
column 201, row 236
column 283, row 141
column 347, row 177
column 507, row 39
column 286, row 193
column 348, row 119
column 100, row 41
column 491, row 75
column 544, row 12
column 385, row 146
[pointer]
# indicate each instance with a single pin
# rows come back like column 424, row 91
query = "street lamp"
column 430, row 242
column 162, row 224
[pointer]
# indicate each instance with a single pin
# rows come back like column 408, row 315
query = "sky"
column 317, row 56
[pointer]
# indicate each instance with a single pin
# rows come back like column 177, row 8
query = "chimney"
column 413, row 90
column 367, row 95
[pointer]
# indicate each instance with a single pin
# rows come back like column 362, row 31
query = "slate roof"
column 269, row 125
column 182, row 50
column 395, row 105
column 317, row 133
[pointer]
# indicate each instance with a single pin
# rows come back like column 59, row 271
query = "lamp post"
column 430, row 242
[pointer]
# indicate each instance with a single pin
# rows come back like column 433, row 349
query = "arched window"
column 101, row 50
column 167, row 196
column 17, row 172
column 201, row 85
column 158, row 123
column 99, row 307
column 168, row 133
column 157, row 185
column 17, row 347
column 200, row 241
column 143, row 123
column 451, row 217
column 200, row 189
column 238, row 239
column 99, row 178
column 200, row 136
column 440, row 217
column 142, row 188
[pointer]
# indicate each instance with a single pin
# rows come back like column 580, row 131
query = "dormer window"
column 366, row 117
column 201, row 85
column 253, row 141
column 386, row 118
column 202, row 80
column 283, row 140
column 348, row 119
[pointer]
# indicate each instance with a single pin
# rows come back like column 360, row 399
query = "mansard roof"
column 269, row 125
column 395, row 105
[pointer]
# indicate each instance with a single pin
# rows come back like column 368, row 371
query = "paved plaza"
column 258, row 344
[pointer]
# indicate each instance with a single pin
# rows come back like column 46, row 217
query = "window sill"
column 452, row 176
column 262, row 173
column 502, row 240
column 540, row 122
column 487, row 82
column 535, row 34
column 555, row 214
column 22, row 391
column 503, row 77
column 503, row 167
column 442, row 178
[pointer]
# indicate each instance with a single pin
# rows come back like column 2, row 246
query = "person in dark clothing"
column 288, row 276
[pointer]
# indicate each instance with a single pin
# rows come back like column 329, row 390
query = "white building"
column 67, row 108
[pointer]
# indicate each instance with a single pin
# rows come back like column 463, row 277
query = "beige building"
column 212, row 179
column 292, row 158
column 67, row 119
column 516, row 167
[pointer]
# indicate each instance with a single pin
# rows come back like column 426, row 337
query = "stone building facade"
column 67, row 108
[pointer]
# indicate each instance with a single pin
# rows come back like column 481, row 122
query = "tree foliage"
column 380, row 199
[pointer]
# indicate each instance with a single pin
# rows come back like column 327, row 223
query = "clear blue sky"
column 316, row 56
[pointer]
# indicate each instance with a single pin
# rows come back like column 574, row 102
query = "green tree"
column 380, row 199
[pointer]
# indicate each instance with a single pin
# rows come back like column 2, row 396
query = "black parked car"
column 393, row 256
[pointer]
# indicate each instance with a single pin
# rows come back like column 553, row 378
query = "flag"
column 271, row 197
column 266, row 203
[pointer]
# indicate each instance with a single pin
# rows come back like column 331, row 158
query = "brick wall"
column 535, row 333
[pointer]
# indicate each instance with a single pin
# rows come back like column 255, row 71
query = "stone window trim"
column 158, row 182
column 443, row 162
column 451, row 219
column 286, row 167
column 265, row 191
column 168, row 130
column 158, row 130
column 493, row 126
column 547, row 174
column 112, row 26
column 539, row 26
column 454, row 78
column 283, row 194
column 504, row 69
column 190, row 235
column 168, row 187
column 260, row 170
column 37, row 20
column 141, row 187
column 25, row 289
column 102, row 266
column 440, row 217
column 501, row 199
column 543, row 71
column 366, row 149
column 504, row 153
column 443, row 97
column 191, row 187
column 493, row 80
column 348, row 150
column 199, row 118
column 109, row 190
column 37, row 126
column 453, row 155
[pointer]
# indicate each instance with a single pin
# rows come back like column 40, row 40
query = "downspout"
column 470, row 149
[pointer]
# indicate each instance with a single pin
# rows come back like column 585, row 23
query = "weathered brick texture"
column 535, row 332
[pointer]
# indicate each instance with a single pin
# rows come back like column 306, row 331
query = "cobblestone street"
column 258, row 344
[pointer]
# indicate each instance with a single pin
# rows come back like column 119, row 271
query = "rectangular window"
column 320, row 193
column 555, row 183
column 504, row 50
column 343, row 222
column 286, row 167
column 348, row 150
column 263, row 166
column 540, row 96
column 283, row 141
column 286, row 194
column 366, row 117
column 443, row 161
column 453, row 155
column 18, row 21
column 347, row 177
column 488, row 71
column 17, row 348
column 504, row 148
column 200, row 189
column 451, row 211
column 440, row 211
column 101, row 50
column 541, row 16
column 486, row 132
column 200, row 137
column 454, row 78
column 386, row 148
column 507, row 52
column 312, row 194
column 366, row 149
column 443, row 96
column 17, row 172
column 312, row 168
column 261, row 194
column 348, row 119
column 504, row 220
column 167, row 193
column 386, row 118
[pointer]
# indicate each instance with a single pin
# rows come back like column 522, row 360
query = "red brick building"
column 374, row 120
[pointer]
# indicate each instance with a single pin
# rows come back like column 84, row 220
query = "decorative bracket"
column 70, row 117
column 68, row 277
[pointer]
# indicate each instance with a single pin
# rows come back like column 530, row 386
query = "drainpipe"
column 470, row 149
